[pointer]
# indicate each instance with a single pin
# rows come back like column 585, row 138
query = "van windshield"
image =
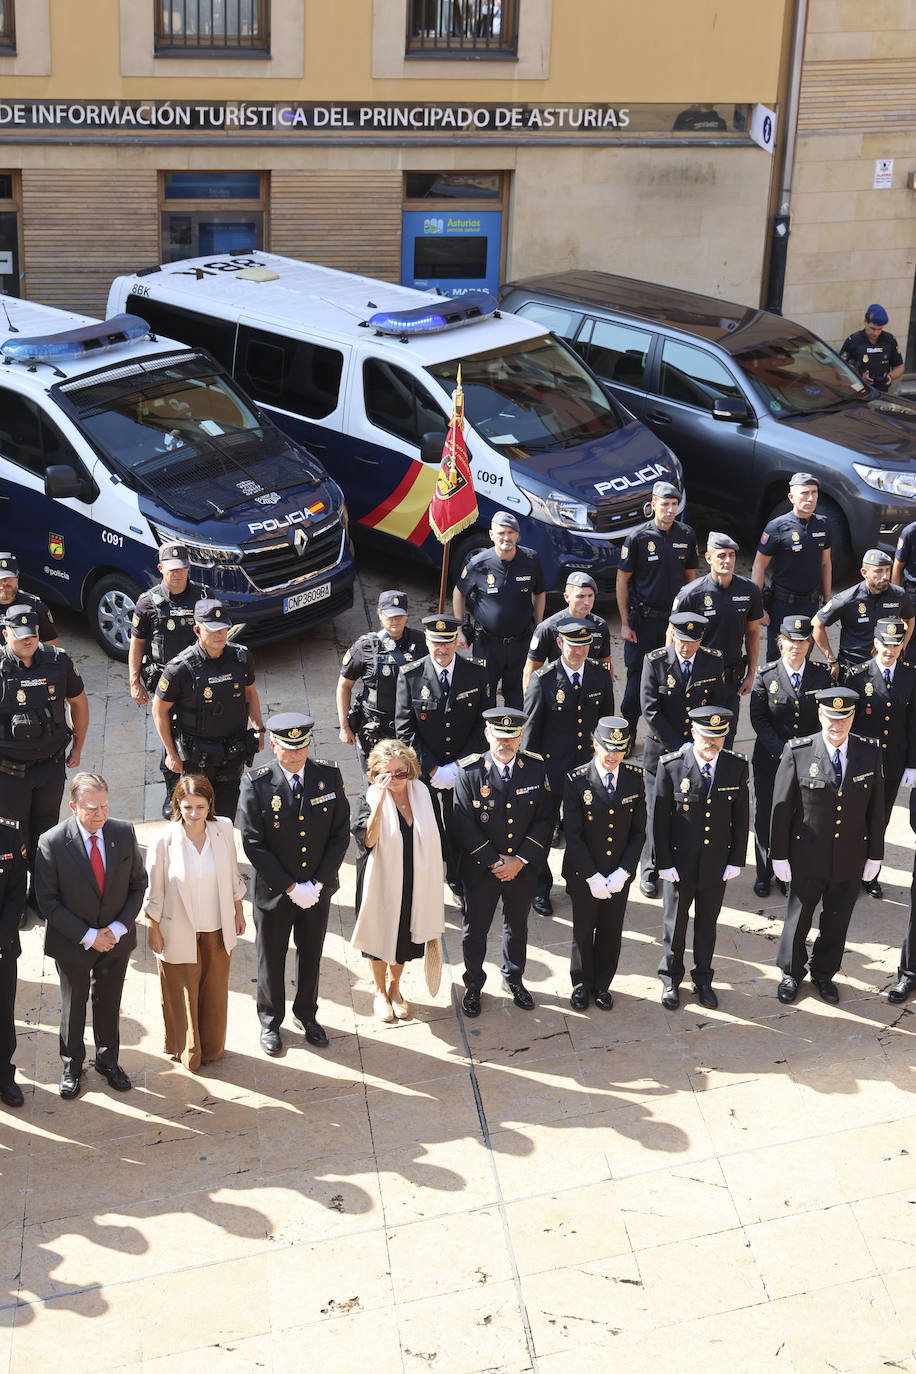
column 530, row 397
column 798, row 376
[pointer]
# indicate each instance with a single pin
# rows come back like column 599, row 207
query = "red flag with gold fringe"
column 454, row 503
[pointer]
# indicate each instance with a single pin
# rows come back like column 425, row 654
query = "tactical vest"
column 381, row 678
column 33, row 717
column 174, row 629
column 216, row 706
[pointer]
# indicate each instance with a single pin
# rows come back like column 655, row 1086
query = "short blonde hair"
column 384, row 754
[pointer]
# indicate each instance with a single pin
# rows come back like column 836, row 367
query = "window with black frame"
column 218, row 27
column 7, row 26
column 462, row 28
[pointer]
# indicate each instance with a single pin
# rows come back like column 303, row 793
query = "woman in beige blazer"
column 194, row 909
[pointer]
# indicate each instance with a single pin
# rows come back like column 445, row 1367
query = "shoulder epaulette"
column 325, row 763
column 578, row 772
column 637, row 768
column 765, row 667
column 667, row 758
column 657, row 653
column 5, row 820
column 412, row 667
column 801, row 739
column 856, row 669
column 258, row 772
column 530, row 754
column 717, row 653
column 469, row 759
column 544, row 669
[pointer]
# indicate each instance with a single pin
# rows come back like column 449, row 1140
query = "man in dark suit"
column 90, row 881
column 564, row 702
column 13, row 878
column 604, row 818
column 294, row 820
column 439, row 713
column 700, row 821
column 676, row 679
column 503, row 820
column 886, row 712
column 826, row 838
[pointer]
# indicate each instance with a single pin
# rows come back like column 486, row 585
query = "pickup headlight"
column 201, row 555
column 892, row 481
column 559, row 508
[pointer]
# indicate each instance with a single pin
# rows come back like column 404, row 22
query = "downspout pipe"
column 779, row 246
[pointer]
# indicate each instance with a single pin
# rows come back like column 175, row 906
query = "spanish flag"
column 454, row 503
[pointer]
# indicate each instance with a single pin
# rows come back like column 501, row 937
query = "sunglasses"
column 396, row 776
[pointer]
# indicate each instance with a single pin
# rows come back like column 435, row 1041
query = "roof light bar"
column 76, row 343
column 450, row 313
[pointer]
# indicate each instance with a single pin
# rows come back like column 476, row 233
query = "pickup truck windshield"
column 799, row 376
column 530, row 397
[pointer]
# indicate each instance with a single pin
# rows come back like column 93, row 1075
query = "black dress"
column 407, row 949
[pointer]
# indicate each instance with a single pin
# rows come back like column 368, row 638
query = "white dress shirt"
column 203, row 888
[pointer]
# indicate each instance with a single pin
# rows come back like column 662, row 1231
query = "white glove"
column 597, row 886
column 670, row 875
column 297, row 895
column 444, row 776
column 871, row 870
column 617, row 881
column 909, row 777
column 783, row 870
column 730, row 872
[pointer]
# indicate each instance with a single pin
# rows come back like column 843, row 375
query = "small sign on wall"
column 884, row 174
column 763, row 127
column 6, row 264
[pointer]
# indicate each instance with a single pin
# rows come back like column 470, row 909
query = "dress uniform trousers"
column 650, row 634
column 443, row 806
column 482, row 893
column 9, row 953
column 764, row 767
column 676, row 902
column 504, row 660
column 838, row 902
column 308, row 928
column 731, row 700
column 597, row 935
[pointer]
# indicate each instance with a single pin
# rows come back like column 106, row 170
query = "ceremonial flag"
column 454, row 503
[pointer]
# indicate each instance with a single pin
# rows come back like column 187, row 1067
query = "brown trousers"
column 195, row 1003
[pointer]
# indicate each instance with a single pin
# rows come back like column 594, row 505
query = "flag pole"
column 458, row 413
column 453, row 506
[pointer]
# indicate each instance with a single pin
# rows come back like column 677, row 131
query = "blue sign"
column 453, row 250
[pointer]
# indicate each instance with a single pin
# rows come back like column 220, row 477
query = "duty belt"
column 653, row 612
column 485, row 637
column 796, row 598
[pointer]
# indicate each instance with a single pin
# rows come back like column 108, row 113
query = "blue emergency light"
column 75, row 343
column 450, row 313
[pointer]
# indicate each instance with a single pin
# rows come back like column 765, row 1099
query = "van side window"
column 28, row 438
column 199, row 331
column 694, row 377
column 615, row 352
column 293, row 374
column 397, row 402
column 554, row 317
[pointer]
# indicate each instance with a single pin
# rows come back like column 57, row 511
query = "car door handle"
column 367, row 462
column 659, row 416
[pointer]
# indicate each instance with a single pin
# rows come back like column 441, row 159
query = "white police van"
column 363, row 371
column 113, row 440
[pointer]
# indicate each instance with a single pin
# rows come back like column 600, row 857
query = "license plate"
column 295, row 603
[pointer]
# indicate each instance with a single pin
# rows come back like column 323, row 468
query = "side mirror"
column 62, row 481
column 732, row 409
column 431, row 446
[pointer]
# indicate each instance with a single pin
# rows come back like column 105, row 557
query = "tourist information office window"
column 204, row 213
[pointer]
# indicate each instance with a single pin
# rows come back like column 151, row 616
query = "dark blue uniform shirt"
column 796, row 546
column 498, row 592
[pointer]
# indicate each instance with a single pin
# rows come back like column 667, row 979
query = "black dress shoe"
column 705, row 993
column 470, row 1002
column 316, row 1035
column 671, row 999
column 603, row 999
column 902, row 988
column 70, row 1082
column 648, row 887
column 543, row 906
column 11, row 1094
column 457, row 889
column 116, row 1076
column 826, row 987
column 167, row 809
column 874, row 889
column 788, row 989
column 520, row 994
column 762, row 888
column 782, row 887
column 579, row 997
column 270, row 1042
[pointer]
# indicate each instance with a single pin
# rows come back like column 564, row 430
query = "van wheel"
column 110, row 610
column 840, row 542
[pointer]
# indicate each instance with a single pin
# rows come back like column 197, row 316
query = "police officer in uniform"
column 886, row 712
column 655, row 562
column 563, row 703
column 676, row 679
column 733, row 606
column 903, row 572
column 783, row 707
column 35, row 683
column 502, row 588
column 604, row 817
column 10, row 595
column 795, row 547
column 873, row 352
column 906, row 971
column 700, row 824
column 858, row 610
column 13, row 881
column 826, row 838
column 376, row 657
column 162, row 626
column 439, row 712
column 294, row 821
column 503, row 821
column 210, row 689
column 579, row 594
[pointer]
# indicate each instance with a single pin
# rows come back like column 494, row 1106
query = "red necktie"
column 95, row 858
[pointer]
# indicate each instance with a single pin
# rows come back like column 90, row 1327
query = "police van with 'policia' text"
column 114, row 441
column 362, row 372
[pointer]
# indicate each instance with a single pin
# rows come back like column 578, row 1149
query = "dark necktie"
column 686, row 668
column 838, row 768
column 887, row 678
column 507, row 773
column 295, row 783
column 575, row 681
column 610, row 787
column 706, row 770
column 443, row 678
column 95, row 858
column 796, row 679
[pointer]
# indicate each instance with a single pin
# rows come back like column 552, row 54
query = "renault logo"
column 300, row 539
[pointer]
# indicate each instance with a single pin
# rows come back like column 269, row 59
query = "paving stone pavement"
column 716, row 1191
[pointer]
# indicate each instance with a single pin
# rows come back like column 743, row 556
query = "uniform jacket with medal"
column 288, row 842
column 777, row 714
column 442, row 730
column 887, row 715
column 701, row 835
column 665, row 699
column 561, row 720
column 13, row 881
column 823, row 830
column 602, row 834
column 493, row 817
